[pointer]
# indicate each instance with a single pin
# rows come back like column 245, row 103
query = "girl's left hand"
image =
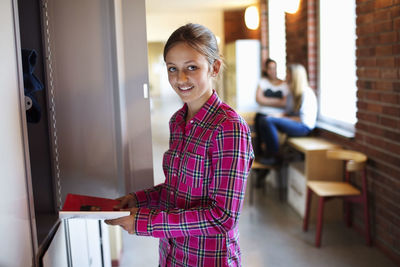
column 127, row 222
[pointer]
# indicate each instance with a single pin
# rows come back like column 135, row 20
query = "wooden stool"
column 326, row 190
column 259, row 167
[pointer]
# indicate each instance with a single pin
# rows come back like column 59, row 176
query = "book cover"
column 90, row 207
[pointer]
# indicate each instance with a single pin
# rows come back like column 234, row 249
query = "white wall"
column 15, row 232
column 161, row 25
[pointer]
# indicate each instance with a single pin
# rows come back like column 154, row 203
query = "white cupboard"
column 92, row 62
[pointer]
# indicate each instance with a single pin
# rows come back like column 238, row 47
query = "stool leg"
column 251, row 184
column 321, row 203
column 366, row 219
column 280, row 184
column 307, row 214
column 347, row 207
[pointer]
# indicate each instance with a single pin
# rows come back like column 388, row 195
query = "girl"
column 299, row 117
column 195, row 212
column 271, row 96
column 271, row 91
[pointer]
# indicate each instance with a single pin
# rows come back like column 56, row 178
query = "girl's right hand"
column 126, row 202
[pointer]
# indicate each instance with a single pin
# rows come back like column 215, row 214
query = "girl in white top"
column 271, row 92
column 271, row 96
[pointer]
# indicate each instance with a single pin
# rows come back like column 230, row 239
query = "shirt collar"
column 208, row 108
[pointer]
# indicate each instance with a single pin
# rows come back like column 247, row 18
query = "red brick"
column 375, row 141
column 395, row 11
column 365, row 18
column 396, row 87
column 368, row 117
column 388, row 37
column 367, row 62
column 371, row 73
column 365, row 8
column 389, row 73
column 390, row 98
column 361, row 94
column 396, row 49
column 384, row 85
column 396, row 23
column 361, row 105
column 377, row 155
column 367, row 40
column 385, row 173
column 362, row 30
column 385, row 62
column 389, row 122
column 374, row 107
column 364, row 84
column 375, row 96
column 371, row 129
column 397, row 61
column 383, row 3
column 384, row 213
column 391, row 111
column 384, row 14
column 384, row 26
column 360, row 137
column 383, row 200
column 365, row 52
column 384, row 50
column 392, row 135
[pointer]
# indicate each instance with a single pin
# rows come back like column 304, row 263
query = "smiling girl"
column 195, row 212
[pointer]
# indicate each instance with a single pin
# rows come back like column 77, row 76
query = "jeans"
column 268, row 127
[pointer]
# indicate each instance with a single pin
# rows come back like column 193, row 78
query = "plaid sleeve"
column 232, row 156
column 150, row 197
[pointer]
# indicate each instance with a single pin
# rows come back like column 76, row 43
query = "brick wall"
column 235, row 28
column 301, row 46
column 378, row 126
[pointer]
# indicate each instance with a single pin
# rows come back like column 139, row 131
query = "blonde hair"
column 298, row 83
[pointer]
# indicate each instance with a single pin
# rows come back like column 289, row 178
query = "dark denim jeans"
column 268, row 127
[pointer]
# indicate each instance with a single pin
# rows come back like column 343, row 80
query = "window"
column 337, row 44
column 277, row 36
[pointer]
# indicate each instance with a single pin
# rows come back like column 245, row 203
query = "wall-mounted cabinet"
column 91, row 58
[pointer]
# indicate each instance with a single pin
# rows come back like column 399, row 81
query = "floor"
column 270, row 230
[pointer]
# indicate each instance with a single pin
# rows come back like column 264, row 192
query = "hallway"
column 271, row 233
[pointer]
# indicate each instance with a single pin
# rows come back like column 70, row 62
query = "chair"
column 259, row 168
column 325, row 190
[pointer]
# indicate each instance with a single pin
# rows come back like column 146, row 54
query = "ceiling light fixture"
column 291, row 6
column 252, row 18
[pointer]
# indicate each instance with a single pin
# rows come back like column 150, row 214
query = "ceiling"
column 156, row 6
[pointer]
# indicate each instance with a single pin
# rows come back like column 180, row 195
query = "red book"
column 89, row 207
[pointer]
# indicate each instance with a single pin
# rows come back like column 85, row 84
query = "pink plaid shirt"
column 195, row 212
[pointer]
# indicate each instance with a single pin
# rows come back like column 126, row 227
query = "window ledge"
column 335, row 129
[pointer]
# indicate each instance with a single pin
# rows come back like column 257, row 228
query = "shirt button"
column 172, row 193
column 191, row 121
